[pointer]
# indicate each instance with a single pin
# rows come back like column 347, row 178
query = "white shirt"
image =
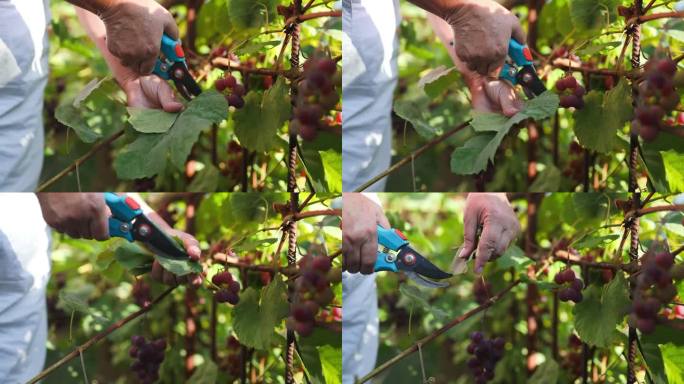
column 23, row 76
column 24, row 274
column 359, row 322
column 369, row 59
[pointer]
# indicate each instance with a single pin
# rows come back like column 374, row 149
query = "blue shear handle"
column 168, row 49
column 388, row 238
column 519, row 53
column 122, row 214
column 381, row 264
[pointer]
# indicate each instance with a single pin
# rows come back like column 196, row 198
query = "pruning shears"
column 520, row 70
column 395, row 254
column 129, row 222
column 171, row 65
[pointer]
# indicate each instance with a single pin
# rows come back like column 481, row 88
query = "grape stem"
column 93, row 340
column 414, row 155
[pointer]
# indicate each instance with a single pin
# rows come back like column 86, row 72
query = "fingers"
column 369, row 252
column 489, row 245
column 382, row 220
column 145, row 67
column 191, row 247
column 167, row 98
column 170, row 28
column 352, row 259
column 517, row 32
column 470, row 224
column 509, row 100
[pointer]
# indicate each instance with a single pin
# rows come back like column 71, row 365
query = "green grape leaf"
column 546, row 373
column 331, row 362
column 513, row 257
column 321, row 355
column 477, row 152
column 547, row 181
column 413, row 112
column 73, row 118
column 438, row 80
column 258, row 122
column 179, row 267
column 332, row 166
column 595, row 241
column 653, row 158
column 601, row 311
column 597, row 124
column 673, row 360
column 653, row 358
column 205, row 180
column 249, row 14
column 589, row 15
column 259, row 312
column 674, row 169
column 204, row 374
column 147, row 120
column 134, row 258
column 150, row 153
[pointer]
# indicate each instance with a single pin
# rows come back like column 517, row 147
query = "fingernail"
column 194, row 250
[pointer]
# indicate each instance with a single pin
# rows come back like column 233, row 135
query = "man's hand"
column 79, row 215
column 493, row 213
column 482, row 31
column 134, row 29
column 150, row 91
column 360, row 218
column 488, row 95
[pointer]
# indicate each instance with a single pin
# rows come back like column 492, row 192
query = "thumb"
column 382, row 220
column 171, row 28
column 517, row 33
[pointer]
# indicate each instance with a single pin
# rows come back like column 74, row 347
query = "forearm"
column 95, row 6
column 95, row 29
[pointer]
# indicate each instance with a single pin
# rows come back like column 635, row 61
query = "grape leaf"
column 147, row 120
column 331, row 361
column 245, row 14
column 414, row 112
column 601, row 311
column 477, row 152
column 73, row 118
column 653, row 158
column 204, row 374
column 589, row 15
column 321, row 355
column 673, row 359
column 674, row 169
column 258, row 122
column 134, row 258
column 205, row 180
column 438, row 80
column 332, row 165
column 259, row 312
column 150, row 153
column 597, row 124
column 513, row 257
column 547, row 181
column 546, row 373
column 179, row 267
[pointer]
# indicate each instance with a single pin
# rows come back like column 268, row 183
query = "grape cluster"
column 486, row 353
column 236, row 90
column 481, row 290
column 571, row 286
column 316, row 96
column 228, row 288
column 141, row 293
column 312, row 291
column 149, row 356
column 234, row 356
column 654, row 288
column 657, row 97
column 572, row 94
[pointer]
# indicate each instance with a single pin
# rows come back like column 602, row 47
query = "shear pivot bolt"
column 409, row 259
column 124, row 227
column 178, row 74
column 144, row 230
